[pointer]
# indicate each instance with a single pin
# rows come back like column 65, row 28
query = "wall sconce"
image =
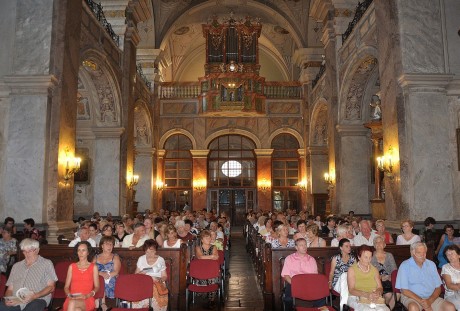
column 199, row 185
column 329, row 178
column 264, row 185
column 71, row 167
column 385, row 163
column 132, row 180
column 160, row 185
column 302, row 185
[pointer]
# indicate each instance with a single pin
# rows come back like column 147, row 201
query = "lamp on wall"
column 160, row 185
column 385, row 163
column 329, row 178
column 264, row 185
column 302, row 185
column 71, row 167
column 132, row 180
column 199, row 185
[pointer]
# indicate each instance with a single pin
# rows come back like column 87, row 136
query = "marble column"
column 264, row 171
column 319, row 164
column 143, row 167
column 107, row 170
column 354, row 172
column 200, row 175
column 159, row 179
column 131, row 40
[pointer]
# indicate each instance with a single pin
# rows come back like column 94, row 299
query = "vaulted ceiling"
column 175, row 28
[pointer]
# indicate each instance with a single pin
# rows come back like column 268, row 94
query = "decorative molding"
column 108, row 132
column 351, row 130
column 425, row 82
column 317, row 150
column 263, row 153
column 454, row 88
column 199, row 153
column 177, row 131
column 31, row 84
column 145, row 151
column 161, row 153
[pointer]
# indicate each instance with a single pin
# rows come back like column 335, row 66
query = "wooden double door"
column 234, row 202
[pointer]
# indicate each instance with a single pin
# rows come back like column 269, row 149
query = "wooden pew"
column 274, row 260
column 177, row 258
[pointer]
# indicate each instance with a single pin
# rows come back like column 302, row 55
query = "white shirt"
column 128, row 241
column 361, row 240
column 75, row 241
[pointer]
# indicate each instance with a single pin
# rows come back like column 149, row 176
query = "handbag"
column 161, row 288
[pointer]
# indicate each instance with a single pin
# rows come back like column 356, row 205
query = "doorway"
column 234, row 202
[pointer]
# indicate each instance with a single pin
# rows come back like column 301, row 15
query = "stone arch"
column 172, row 132
column 142, row 125
column 247, row 134
column 287, row 131
column 318, row 132
column 354, row 93
column 99, row 79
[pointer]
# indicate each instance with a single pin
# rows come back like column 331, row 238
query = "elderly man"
column 136, row 239
column 298, row 263
column 34, row 273
column 83, row 235
column 366, row 236
column 419, row 282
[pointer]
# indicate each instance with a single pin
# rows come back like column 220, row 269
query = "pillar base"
column 66, row 228
column 378, row 209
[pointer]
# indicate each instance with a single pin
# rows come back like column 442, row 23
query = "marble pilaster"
column 319, row 164
column 264, row 171
column 107, row 183
column 200, row 173
column 143, row 166
column 352, row 186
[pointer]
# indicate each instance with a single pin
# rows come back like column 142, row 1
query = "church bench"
column 273, row 260
column 176, row 258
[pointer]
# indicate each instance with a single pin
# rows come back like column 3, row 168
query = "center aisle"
column 243, row 291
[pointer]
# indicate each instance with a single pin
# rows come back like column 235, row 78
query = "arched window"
column 232, row 162
column 285, row 172
column 177, row 172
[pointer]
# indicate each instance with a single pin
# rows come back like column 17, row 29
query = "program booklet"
column 20, row 296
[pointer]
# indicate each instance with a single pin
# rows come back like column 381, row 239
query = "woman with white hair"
column 182, row 233
column 342, row 233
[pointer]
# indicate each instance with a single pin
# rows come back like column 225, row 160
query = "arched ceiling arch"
column 178, row 31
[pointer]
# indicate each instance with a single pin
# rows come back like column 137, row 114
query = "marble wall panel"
column 421, row 36
column 319, row 164
column 354, row 173
column 7, row 24
column 107, row 175
column 25, row 157
column 143, row 167
column 172, row 108
column 452, row 12
column 33, row 37
column 283, row 108
column 430, row 163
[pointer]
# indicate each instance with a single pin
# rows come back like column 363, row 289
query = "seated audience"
column 154, row 266
column 385, row 264
column 301, row 230
column 109, row 265
column 9, row 222
column 366, row 236
column 283, row 239
column 268, row 228
column 297, row 263
column 82, row 281
column 34, row 273
column 381, row 230
column 120, row 233
column 313, row 240
column 182, row 233
column 407, row 238
column 340, row 264
column 207, row 251
column 446, row 239
column 137, row 239
column 342, row 233
column 355, row 224
column 8, row 248
column 152, row 232
column 94, row 233
column 128, row 222
column 451, row 275
column 83, row 235
column 217, row 243
column 364, row 285
column 30, row 231
column 172, row 240
column 429, row 233
column 419, row 282
column 329, row 228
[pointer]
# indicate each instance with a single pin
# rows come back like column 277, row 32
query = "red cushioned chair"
column 203, row 269
column 61, row 269
column 99, row 295
column 2, row 285
column 133, row 287
column 309, row 287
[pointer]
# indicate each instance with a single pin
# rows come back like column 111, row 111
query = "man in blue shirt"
column 419, row 282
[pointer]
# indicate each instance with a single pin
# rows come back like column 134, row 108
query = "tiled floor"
column 243, row 291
